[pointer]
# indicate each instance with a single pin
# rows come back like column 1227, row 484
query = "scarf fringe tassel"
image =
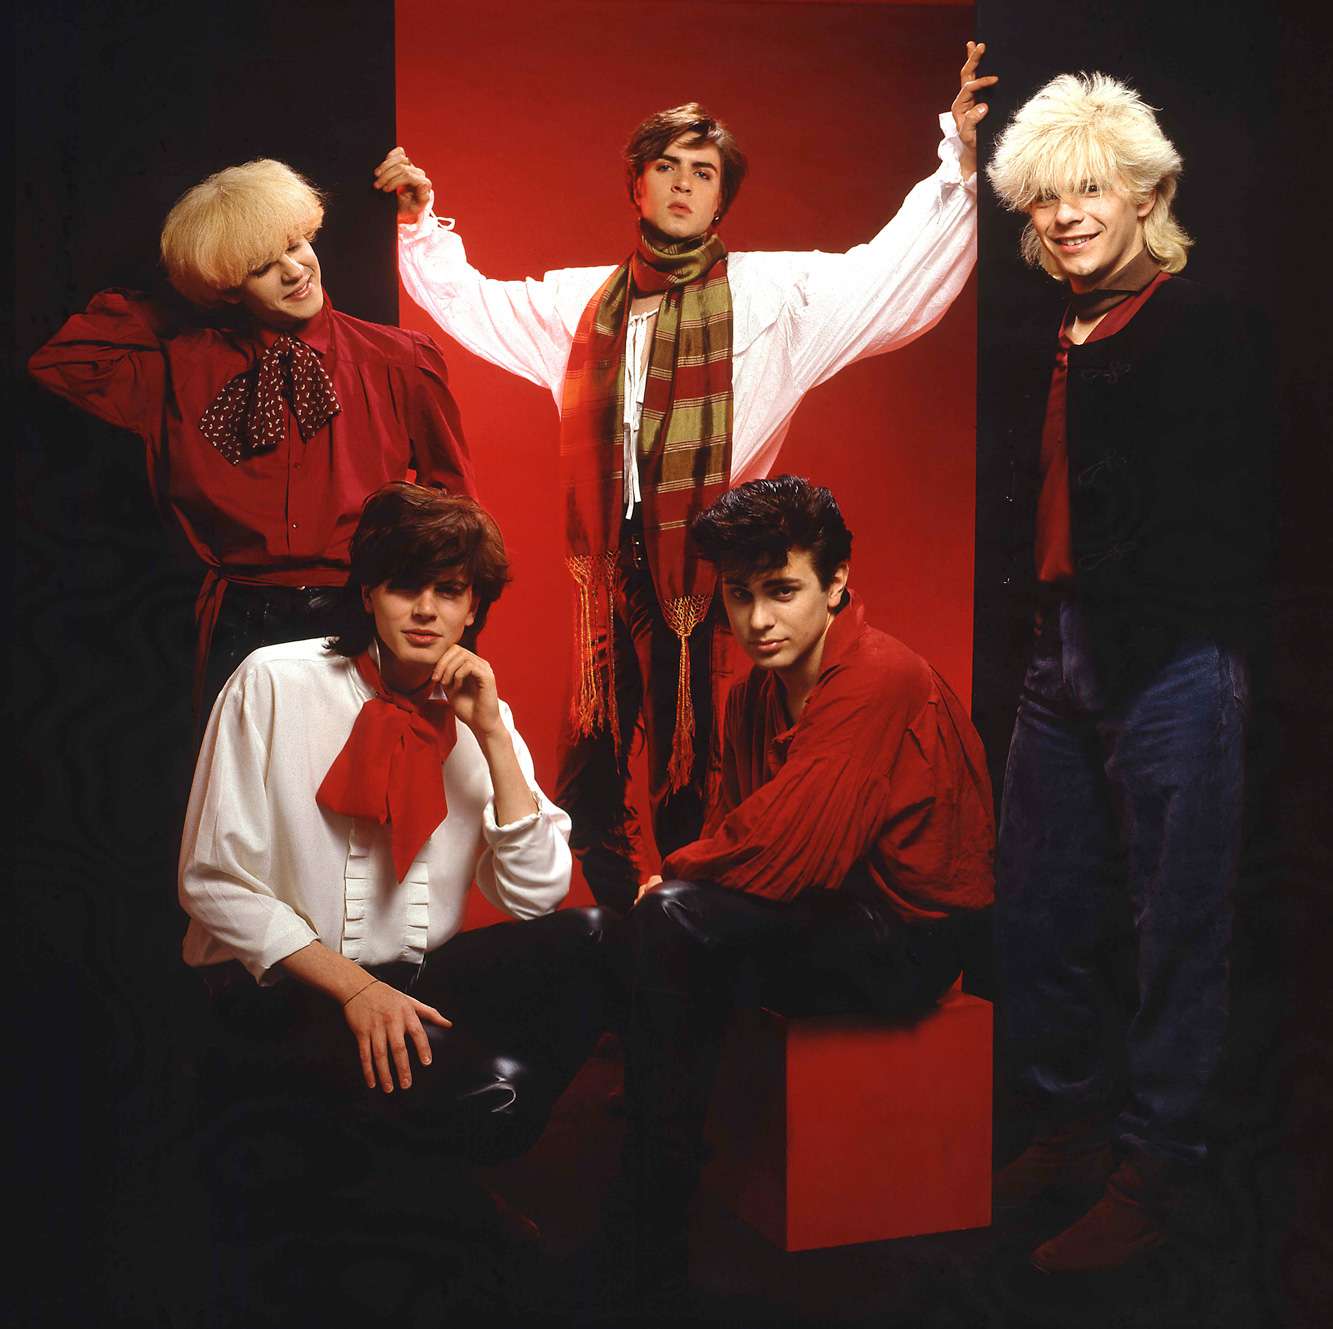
column 682, row 616
column 593, row 706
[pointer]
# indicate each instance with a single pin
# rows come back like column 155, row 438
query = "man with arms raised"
column 853, row 832
column 677, row 374
column 1145, row 521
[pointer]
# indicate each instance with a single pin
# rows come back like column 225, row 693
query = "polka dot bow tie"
column 246, row 416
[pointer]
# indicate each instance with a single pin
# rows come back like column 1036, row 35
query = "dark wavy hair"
column 410, row 535
column 754, row 527
column 649, row 141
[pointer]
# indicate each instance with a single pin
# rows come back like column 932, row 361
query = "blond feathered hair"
column 1089, row 128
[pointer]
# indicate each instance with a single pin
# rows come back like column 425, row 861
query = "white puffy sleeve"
column 227, row 863
column 525, row 866
column 525, row 327
column 880, row 295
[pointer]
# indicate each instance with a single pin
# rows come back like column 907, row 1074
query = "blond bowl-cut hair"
column 1085, row 129
column 234, row 222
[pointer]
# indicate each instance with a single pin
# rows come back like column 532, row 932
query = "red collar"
column 316, row 332
column 843, row 633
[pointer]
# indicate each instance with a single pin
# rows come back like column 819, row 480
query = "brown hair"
column 409, row 535
column 649, row 142
column 754, row 527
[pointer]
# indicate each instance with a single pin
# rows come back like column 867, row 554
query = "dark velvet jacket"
column 1170, row 436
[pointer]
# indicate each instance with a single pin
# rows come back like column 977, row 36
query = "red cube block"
column 837, row 1129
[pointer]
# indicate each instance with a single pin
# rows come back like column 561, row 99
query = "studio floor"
column 170, row 1258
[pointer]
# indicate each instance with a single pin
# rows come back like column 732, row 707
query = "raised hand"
column 469, row 683
column 397, row 175
column 967, row 111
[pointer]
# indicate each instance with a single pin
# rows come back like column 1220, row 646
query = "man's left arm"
column 439, row 449
column 883, row 294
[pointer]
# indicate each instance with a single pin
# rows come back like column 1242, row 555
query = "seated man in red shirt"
column 853, row 830
column 267, row 419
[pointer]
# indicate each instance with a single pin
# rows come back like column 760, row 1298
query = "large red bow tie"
column 391, row 769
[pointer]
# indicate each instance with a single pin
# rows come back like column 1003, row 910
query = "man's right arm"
column 226, row 873
column 525, row 327
column 381, row 1018
column 109, row 361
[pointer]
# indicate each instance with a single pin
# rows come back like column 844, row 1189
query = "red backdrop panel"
column 519, row 111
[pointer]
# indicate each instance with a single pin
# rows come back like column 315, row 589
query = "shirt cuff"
column 263, row 963
column 511, row 830
column 950, row 154
column 426, row 224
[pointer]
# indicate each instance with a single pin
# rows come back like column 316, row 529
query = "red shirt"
column 883, row 767
column 284, row 516
column 1054, row 546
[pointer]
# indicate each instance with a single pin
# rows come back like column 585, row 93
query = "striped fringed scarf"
column 685, row 460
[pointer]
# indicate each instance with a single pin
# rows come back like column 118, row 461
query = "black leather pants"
column 699, row 950
column 255, row 616
column 527, row 1000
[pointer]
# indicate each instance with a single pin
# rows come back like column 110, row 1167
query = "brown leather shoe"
column 1072, row 1160
column 1119, row 1228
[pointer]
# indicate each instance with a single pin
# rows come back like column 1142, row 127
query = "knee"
column 587, row 928
column 669, row 912
column 477, row 1077
column 595, row 924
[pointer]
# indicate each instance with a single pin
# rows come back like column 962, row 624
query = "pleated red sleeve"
column 883, row 768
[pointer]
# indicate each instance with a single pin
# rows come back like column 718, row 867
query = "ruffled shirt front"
column 264, row 870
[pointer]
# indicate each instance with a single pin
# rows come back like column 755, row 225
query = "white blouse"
column 264, row 870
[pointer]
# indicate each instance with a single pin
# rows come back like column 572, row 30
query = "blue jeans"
column 1119, row 838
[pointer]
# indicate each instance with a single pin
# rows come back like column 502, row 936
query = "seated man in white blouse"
column 676, row 375
column 348, row 793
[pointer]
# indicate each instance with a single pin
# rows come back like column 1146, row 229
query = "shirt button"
column 295, row 524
